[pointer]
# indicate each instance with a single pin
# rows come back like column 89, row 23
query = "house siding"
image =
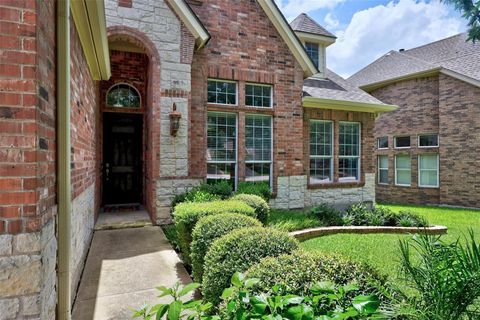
column 433, row 105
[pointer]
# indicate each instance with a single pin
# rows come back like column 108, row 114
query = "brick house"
column 134, row 101
column 428, row 149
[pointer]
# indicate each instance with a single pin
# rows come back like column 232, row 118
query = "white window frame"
column 428, row 134
column 125, row 84
column 359, row 157
column 438, row 170
column 395, row 142
column 260, row 85
column 236, row 147
column 271, row 146
column 378, row 143
column 331, row 157
column 396, row 170
column 319, row 52
column 227, row 81
column 380, row 169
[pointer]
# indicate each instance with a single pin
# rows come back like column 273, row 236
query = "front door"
column 122, row 158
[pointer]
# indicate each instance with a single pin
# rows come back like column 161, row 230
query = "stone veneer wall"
column 293, row 193
column 153, row 21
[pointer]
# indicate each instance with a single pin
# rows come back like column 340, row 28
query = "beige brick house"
column 129, row 102
column 428, row 149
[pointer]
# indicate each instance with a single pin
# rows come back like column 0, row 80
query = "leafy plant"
column 187, row 214
column 257, row 203
column 445, row 275
column 221, row 188
column 210, row 228
column 238, row 251
column 470, row 10
column 205, row 192
column 177, row 309
column 327, row 214
column 323, row 301
column 261, row 189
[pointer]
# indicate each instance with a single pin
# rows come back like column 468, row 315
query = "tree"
column 470, row 10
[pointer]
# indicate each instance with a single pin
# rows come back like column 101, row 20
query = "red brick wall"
column 246, row 47
column 418, row 113
column 442, row 105
column 84, row 121
column 366, row 121
column 459, row 142
column 27, row 115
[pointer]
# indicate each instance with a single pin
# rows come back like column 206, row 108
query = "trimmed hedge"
column 238, row 251
column 210, row 228
column 258, row 203
column 187, row 214
column 300, row 270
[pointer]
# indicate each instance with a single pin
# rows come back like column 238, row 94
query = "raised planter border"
column 306, row 234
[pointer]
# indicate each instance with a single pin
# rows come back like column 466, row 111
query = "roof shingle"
column 453, row 53
column 304, row 23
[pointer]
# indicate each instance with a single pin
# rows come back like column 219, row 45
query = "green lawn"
column 381, row 250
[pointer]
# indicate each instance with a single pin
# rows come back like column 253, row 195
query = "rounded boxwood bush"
column 257, row 203
column 210, row 228
column 300, row 270
column 238, row 251
column 187, row 214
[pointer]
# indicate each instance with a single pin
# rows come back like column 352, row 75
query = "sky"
column 367, row 29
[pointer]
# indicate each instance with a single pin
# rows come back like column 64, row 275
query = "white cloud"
column 377, row 30
column 292, row 8
column 331, row 22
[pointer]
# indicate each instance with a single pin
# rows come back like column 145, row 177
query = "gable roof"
column 304, row 23
column 453, row 56
column 334, row 92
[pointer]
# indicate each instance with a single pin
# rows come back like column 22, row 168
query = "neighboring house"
column 139, row 100
column 429, row 149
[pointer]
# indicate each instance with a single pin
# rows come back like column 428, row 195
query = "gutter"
column 63, row 159
column 312, row 102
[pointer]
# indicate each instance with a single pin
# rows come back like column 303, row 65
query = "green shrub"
column 300, row 270
column 210, row 228
column 221, row 188
column 292, row 220
column 360, row 215
column 257, row 203
column 327, row 214
column 261, row 189
column 410, row 219
column 239, row 250
column 187, row 214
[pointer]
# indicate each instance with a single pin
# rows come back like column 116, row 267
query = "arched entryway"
column 130, row 149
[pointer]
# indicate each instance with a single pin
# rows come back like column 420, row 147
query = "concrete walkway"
column 122, row 270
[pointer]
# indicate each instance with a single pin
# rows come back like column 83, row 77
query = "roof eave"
column 89, row 17
column 191, row 21
column 422, row 74
column 461, row 77
column 307, row 36
column 290, row 38
column 344, row 105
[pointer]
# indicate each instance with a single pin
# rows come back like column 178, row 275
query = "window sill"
column 337, row 185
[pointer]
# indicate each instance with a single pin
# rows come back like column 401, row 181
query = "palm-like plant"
column 446, row 276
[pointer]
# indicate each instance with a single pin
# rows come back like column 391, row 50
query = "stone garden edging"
column 306, row 234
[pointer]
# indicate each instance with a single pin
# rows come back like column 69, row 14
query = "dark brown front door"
column 122, row 158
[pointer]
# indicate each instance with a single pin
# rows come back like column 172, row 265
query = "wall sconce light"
column 175, row 117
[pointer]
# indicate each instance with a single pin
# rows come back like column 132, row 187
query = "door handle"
column 107, row 171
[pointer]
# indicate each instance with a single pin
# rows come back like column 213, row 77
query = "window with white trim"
column 258, row 95
column 221, row 146
column 402, row 142
column 382, row 143
column 123, row 95
column 313, row 52
column 383, row 169
column 428, row 140
column 258, row 148
column 403, row 170
column 428, row 170
column 222, row 92
column 321, row 151
column 349, row 151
